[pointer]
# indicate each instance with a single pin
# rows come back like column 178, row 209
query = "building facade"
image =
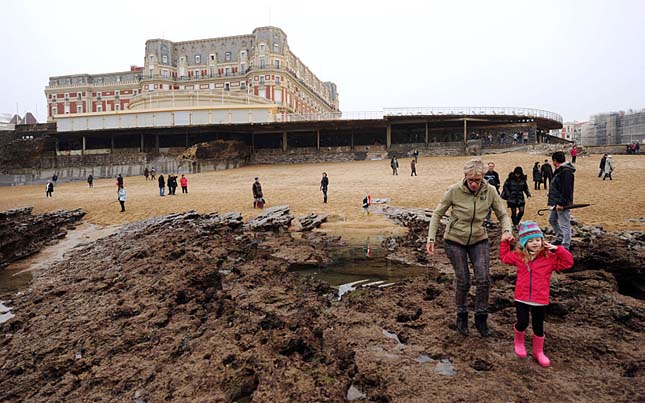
column 571, row 131
column 615, row 128
column 244, row 71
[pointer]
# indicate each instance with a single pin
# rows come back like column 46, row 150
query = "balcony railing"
column 470, row 110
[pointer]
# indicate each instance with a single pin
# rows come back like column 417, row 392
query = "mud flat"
column 199, row 307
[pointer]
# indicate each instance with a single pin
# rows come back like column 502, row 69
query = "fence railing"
column 473, row 110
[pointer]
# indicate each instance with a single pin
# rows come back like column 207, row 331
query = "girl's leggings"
column 537, row 317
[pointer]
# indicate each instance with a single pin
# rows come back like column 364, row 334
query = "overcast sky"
column 575, row 58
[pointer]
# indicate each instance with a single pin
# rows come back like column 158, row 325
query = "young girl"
column 535, row 260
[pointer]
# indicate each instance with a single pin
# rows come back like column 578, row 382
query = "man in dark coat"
column 515, row 187
column 561, row 195
column 603, row 161
column 162, row 184
column 258, row 197
column 324, row 183
column 547, row 173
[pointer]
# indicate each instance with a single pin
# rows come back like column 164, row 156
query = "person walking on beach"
column 537, row 176
column 119, row 181
column 172, row 184
column 184, row 184
column 492, row 177
column 367, row 201
column 413, row 167
column 146, row 173
column 162, row 184
column 574, row 154
column 90, row 181
column 54, row 179
column 324, row 183
column 466, row 238
column 561, row 195
column 515, row 187
column 415, row 154
column 609, row 168
column 152, row 173
column 547, row 173
column 535, row 261
column 258, row 197
column 394, row 164
column 49, row 189
column 121, row 197
column 602, row 165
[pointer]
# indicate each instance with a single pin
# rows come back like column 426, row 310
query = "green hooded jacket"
column 469, row 210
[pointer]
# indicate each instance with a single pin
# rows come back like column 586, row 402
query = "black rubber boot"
column 480, row 323
column 462, row 323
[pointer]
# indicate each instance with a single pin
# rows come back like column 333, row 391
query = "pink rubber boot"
column 520, row 350
column 538, row 351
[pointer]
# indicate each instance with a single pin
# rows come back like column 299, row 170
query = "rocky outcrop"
column 311, row 221
column 272, row 219
column 22, row 234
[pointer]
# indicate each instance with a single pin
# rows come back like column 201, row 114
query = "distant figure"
column 394, row 163
column 367, row 201
column 258, row 197
column 547, row 173
column 537, row 176
column 49, row 189
column 413, row 167
column 492, row 177
column 152, row 173
column 146, row 173
column 574, row 154
column 119, row 181
column 184, row 184
column 525, row 137
column 609, row 168
column 602, row 165
column 54, row 179
column 162, row 184
column 515, row 187
column 324, row 183
column 415, row 154
column 502, row 138
column 515, row 137
column 90, row 181
column 121, row 197
column 172, row 184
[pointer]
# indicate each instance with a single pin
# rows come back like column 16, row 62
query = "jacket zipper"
column 528, row 266
column 472, row 220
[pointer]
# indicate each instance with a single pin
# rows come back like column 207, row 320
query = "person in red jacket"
column 184, row 184
column 535, row 260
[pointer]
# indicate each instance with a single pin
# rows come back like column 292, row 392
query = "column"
column 388, row 136
column 318, row 140
column 284, row 142
column 465, row 131
column 427, row 136
column 141, row 150
column 352, row 147
column 253, row 142
column 112, row 143
column 157, row 143
column 83, row 150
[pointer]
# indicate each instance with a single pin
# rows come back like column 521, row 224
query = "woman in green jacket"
column 466, row 237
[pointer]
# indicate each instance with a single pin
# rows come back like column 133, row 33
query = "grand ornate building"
column 250, row 72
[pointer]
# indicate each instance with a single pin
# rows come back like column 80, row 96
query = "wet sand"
column 297, row 185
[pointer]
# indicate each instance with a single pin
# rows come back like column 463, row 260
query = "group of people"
column 471, row 201
column 149, row 173
column 172, row 184
column 606, row 167
column 633, row 148
column 394, row 163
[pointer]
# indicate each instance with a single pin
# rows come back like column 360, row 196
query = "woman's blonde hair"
column 474, row 166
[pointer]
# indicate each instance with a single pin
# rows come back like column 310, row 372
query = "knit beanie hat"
column 528, row 230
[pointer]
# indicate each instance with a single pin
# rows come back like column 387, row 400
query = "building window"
column 276, row 47
column 79, row 108
column 227, row 86
column 117, row 107
column 54, row 98
column 243, row 54
column 243, row 68
column 78, row 96
column 227, row 71
column 198, row 74
column 212, row 71
column 136, row 92
column 118, row 79
column 212, row 58
column 261, row 80
column 182, row 60
column 66, row 96
column 243, row 85
column 66, row 109
column 99, row 108
column 151, row 73
column 198, row 59
column 227, row 56
column 164, row 59
column 261, row 48
column 164, row 74
column 117, row 94
column 262, row 62
column 277, row 63
column 277, row 80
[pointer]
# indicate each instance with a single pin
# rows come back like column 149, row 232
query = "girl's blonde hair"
column 526, row 256
column 474, row 166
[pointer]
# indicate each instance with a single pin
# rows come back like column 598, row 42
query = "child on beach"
column 535, row 260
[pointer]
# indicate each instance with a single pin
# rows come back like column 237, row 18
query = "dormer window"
column 227, row 56
column 212, row 57
column 198, row 59
column 164, row 59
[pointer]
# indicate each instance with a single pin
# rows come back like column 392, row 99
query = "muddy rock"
column 271, row 219
column 311, row 221
column 22, row 234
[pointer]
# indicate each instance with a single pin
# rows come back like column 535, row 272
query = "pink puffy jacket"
column 534, row 278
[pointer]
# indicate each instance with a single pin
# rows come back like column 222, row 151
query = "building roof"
column 29, row 119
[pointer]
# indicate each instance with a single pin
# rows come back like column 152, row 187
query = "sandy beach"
column 614, row 202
